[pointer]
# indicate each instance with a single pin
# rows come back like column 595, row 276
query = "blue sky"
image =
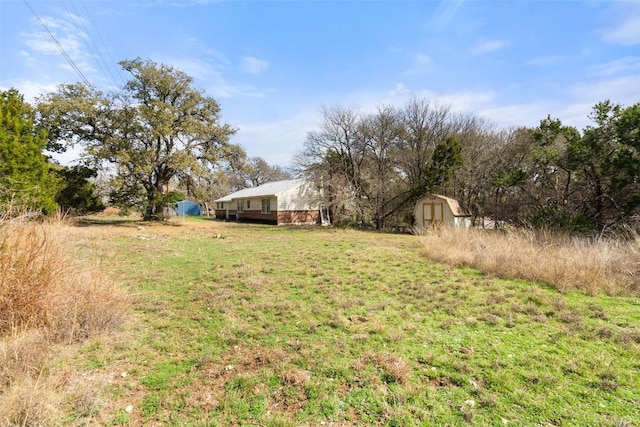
column 273, row 65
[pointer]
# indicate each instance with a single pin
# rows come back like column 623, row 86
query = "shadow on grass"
column 178, row 221
column 97, row 221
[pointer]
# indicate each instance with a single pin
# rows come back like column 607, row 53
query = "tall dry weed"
column 47, row 300
column 42, row 287
column 31, row 402
column 31, row 265
column 23, row 355
column 605, row 265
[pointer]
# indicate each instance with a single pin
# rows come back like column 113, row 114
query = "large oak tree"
column 156, row 128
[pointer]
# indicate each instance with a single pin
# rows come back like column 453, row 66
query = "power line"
column 64, row 53
column 104, row 45
column 74, row 19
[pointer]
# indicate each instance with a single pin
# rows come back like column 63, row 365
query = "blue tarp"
column 188, row 207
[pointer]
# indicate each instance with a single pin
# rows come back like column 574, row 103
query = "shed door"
column 432, row 213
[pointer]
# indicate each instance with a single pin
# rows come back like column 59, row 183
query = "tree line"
column 158, row 131
column 376, row 165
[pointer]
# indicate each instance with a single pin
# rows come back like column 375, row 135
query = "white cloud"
column 619, row 66
column 211, row 71
column 399, row 91
column 461, row 101
column 519, row 114
column 279, row 140
column 488, row 46
column 70, row 157
column 627, row 31
column 572, row 109
column 276, row 141
column 199, row 69
column 420, row 63
column 31, row 89
column 422, row 59
column 622, row 90
column 253, row 65
column 466, row 101
column 68, row 39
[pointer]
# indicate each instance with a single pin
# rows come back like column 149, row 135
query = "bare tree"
column 334, row 155
column 256, row 171
column 385, row 160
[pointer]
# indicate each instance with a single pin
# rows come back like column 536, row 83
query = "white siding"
column 299, row 198
column 272, row 204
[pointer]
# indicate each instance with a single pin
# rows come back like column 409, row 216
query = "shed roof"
column 269, row 189
column 456, row 207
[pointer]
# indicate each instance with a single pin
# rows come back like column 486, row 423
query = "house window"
column 266, row 206
column 240, row 206
column 220, row 205
column 248, row 204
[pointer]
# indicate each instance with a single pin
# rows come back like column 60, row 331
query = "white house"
column 434, row 210
column 296, row 201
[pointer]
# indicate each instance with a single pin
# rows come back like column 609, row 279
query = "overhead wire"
column 60, row 48
column 76, row 21
column 120, row 80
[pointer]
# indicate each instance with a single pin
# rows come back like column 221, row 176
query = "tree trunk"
column 153, row 208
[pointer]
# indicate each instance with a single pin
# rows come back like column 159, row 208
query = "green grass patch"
column 257, row 325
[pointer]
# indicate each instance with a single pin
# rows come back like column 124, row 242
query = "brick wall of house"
column 258, row 216
column 274, row 217
column 299, row 217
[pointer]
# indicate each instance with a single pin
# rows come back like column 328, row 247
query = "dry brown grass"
column 30, row 265
column 47, row 301
column 394, row 369
column 605, row 265
column 42, row 287
column 31, row 402
column 23, row 355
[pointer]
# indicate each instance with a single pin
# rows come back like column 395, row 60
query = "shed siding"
column 433, row 210
column 188, row 207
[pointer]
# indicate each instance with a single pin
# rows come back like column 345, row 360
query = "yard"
column 236, row 324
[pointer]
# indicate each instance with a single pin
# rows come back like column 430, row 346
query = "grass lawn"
column 237, row 324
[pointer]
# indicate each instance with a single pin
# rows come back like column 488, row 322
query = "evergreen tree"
column 25, row 179
column 77, row 192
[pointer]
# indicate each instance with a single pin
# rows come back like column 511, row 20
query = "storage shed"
column 188, row 208
column 435, row 210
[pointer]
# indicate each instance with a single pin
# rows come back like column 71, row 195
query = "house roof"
column 269, row 189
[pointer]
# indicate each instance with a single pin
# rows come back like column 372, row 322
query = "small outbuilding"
column 435, row 210
column 188, row 208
